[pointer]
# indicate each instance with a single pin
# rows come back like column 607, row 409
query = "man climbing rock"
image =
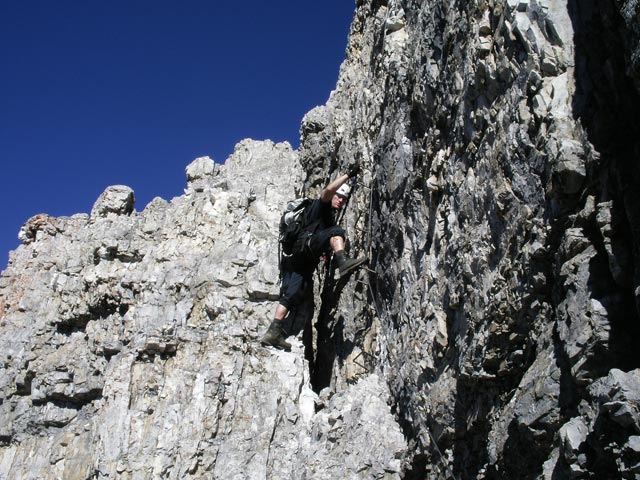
column 320, row 235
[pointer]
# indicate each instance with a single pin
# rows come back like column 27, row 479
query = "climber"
column 321, row 235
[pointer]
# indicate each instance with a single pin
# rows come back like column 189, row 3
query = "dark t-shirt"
column 319, row 216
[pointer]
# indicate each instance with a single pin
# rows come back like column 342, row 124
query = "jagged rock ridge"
column 130, row 343
column 491, row 337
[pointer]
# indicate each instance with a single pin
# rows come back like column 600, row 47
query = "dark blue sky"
column 96, row 93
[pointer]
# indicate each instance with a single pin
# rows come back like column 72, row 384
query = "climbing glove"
column 353, row 169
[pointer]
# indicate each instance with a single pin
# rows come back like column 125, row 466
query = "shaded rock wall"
column 500, row 215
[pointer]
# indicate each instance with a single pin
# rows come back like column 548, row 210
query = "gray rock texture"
column 129, row 343
column 499, row 211
column 491, row 336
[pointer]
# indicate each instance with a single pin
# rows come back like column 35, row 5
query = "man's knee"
column 336, row 242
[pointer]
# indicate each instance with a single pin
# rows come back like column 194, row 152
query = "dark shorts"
column 319, row 241
column 295, row 286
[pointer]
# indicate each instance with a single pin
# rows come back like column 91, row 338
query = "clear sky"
column 96, row 93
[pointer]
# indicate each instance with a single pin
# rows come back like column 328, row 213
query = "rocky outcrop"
column 491, row 336
column 496, row 209
column 129, row 343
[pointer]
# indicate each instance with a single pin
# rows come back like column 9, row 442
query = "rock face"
column 492, row 335
column 499, row 213
column 129, row 343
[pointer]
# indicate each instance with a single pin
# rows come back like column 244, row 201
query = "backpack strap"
column 279, row 263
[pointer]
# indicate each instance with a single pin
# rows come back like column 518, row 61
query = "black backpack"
column 292, row 223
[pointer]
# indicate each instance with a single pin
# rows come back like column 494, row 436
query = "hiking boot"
column 275, row 336
column 347, row 264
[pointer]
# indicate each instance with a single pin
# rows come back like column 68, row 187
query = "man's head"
column 340, row 197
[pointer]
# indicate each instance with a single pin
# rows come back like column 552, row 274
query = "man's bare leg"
column 281, row 312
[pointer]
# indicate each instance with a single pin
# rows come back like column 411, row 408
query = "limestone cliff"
column 129, row 343
column 491, row 336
